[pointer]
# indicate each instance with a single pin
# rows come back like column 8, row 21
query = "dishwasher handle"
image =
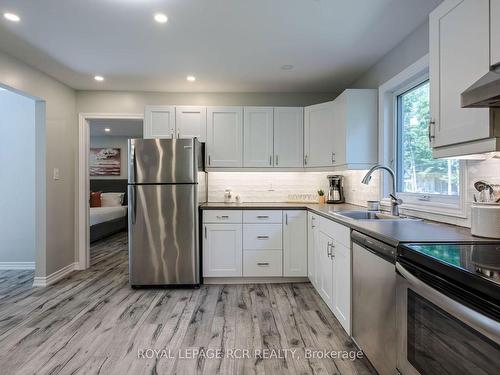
column 376, row 247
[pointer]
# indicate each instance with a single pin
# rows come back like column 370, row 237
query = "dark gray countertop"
column 390, row 232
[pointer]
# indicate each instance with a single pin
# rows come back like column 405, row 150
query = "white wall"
column 17, row 176
column 134, row 102
column 60, row 148
column 412, row 48
column 112, row 142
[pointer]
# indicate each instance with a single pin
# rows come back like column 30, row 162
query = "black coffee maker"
column 335, row 189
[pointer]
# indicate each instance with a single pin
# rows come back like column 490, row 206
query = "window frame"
column 437, row 204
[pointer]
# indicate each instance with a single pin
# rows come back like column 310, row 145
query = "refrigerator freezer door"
column 163, row 235
column 164, row 161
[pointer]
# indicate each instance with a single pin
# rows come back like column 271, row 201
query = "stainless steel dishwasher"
column 374, row 301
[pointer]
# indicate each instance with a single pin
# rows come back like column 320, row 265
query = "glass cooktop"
column 478, row 257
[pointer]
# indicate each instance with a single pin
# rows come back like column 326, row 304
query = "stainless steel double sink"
column 371, row 215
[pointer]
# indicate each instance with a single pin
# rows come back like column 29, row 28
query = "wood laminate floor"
column 94, row 323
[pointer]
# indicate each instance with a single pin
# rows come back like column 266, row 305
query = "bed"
column 106, row 221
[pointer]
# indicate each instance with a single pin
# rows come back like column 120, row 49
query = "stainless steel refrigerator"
column 166, row 184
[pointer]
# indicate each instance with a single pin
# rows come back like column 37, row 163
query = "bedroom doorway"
column 103, row 173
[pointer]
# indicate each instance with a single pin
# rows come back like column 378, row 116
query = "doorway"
column 103, row 172
column 22, row 187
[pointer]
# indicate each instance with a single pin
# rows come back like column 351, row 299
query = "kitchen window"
column 435, row 187
column 420, row 178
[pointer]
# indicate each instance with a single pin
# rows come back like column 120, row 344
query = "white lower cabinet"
column 330, row 266
column 262, row 263
column 254, row 243
column 295, row 243
column 313, row 248
column 342, row 285
column 222, row 250
column 325, row 271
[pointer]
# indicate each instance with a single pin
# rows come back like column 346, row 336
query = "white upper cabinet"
column 224, row 146
column 342, row 133
column 319, row 133
column 159, row 122
column 258, row 133
column 191, row 122
column 295, row 243
column 356, row 128
column 459, row 54
column 288, row 137
column 495, row 31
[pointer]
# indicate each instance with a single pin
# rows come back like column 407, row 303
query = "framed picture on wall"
column 105, row 162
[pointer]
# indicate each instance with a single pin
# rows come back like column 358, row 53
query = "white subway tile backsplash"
column 264, row 186
column 277, row 186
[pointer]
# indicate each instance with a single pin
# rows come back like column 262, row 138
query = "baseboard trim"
column 253, row 280
column 17, row 265
column 43, row 281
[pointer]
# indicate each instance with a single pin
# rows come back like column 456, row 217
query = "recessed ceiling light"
column 107, row 130
column 286, row 67
column 12, row 17
column 191, row 78
column 99, row 78
column 161, row 18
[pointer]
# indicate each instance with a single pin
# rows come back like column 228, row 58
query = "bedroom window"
column 419, row 176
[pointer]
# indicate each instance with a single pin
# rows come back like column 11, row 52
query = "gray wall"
column 413, row 47
column 17, row 174
column 60, row 147
column 112, row 142
column 134, row 102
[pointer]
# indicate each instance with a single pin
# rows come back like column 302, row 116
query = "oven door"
column 438, row 335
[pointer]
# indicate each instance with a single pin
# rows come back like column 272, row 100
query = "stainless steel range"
column 448, row 308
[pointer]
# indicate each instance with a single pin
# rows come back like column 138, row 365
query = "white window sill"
column 433, row 208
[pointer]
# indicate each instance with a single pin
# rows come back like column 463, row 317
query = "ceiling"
column 118, row 128
column 229, row 45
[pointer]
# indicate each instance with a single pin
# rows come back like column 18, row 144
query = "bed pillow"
column 112, row 199
column 95, row 199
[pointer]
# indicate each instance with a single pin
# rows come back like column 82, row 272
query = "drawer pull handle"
column 223, row 217
column 263, row 237
column 263, row 264
column 262, row 217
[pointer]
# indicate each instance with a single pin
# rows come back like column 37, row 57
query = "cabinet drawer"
column 222, row 216
column 262, row 236
column 262, row 263
column 338, row 232
column 256, row 216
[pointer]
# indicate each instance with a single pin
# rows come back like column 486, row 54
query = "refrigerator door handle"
column 134, row 203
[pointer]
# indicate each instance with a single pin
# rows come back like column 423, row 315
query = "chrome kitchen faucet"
column 395, row 202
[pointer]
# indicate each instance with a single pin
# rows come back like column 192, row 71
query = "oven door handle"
column 481, row 323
